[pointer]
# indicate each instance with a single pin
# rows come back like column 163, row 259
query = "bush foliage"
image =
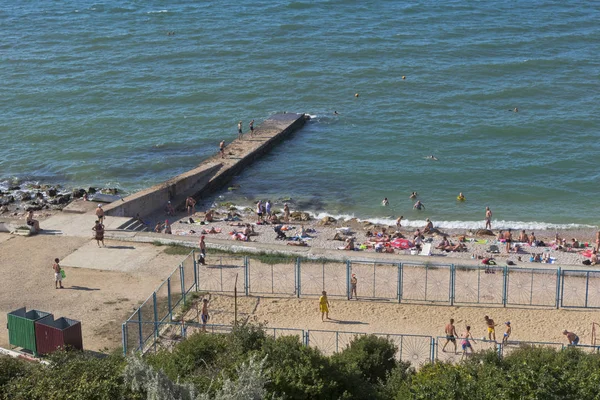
column 249, row 364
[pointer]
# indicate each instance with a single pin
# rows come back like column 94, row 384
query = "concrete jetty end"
column 213, row 173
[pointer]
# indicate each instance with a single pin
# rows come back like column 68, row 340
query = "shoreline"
column 323, row 230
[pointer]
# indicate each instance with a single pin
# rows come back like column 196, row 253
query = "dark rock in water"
column 33, row 207
column 36, row 186
column 23, row 196
column 11, row 188
column 51, row 192
column 39, row 195
column 64, row 199
column 6, row 200
column 78, row 193
column 91, row 190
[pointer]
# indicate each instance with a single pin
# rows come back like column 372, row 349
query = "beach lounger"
column 426, row 251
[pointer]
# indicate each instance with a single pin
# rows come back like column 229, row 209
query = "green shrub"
column 12, row 368
column 373, row 356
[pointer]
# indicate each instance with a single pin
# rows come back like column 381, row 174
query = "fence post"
column 195, row 271
column 562, row 288
column 246, row 275
column 452, row 283
column 124, row 337
column 307, row 340
column 299, row 283
column 182, row 276
column 155, row 315
column 558, row 278
column 432, row 355
column 399, row 282
column 587, row 287
column 140, row 328
column 169, row 299
column 505, row 286
column 348, row 271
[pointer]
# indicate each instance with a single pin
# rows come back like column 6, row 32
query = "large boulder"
column 484, row 232
column 327, row 221
column 51, row 192
column 300, row 216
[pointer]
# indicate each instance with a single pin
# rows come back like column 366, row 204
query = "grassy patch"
column 177, row 250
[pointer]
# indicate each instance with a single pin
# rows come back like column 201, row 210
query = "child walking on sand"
column 466, row 344
column 507, row 333
column 204, row 314
column 324, row 306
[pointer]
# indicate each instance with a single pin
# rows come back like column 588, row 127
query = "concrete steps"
column 134, row 225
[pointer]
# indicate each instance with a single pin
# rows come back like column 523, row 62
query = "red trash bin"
column 52, row 335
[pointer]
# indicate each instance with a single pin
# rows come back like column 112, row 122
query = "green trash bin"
column 21, row 327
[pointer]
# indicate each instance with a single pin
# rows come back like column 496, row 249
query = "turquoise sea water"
column 100, row 94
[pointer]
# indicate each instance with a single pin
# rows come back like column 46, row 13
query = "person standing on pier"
column 252, row 128
column 222, row 148
column 240, row 130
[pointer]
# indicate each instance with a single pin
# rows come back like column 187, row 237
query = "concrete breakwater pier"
column 213, row 173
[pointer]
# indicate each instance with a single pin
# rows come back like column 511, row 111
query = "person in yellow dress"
column 324, row 306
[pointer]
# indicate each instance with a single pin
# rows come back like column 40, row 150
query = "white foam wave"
column 157, row 12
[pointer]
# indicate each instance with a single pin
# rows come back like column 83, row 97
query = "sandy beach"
column 320, row 233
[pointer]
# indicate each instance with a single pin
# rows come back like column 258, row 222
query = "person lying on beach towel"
column 298, row 243
column 239, row 236
column 340, row 236
column 211, row 230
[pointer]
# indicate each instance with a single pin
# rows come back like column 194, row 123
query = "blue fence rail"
column 402, row 282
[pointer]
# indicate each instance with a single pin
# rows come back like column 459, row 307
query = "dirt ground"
column 100, row 299
column 541, row 324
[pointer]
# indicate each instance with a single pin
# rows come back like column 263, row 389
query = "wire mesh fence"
column 424, row 283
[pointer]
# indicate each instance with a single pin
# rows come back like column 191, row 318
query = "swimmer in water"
column 460, row 197
column 335, row 113
column 419, row 206
column 432, row 157
column 385, row 202
column 514, row 109
column 413, row 195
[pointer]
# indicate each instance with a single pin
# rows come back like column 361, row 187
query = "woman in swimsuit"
column 99, row 236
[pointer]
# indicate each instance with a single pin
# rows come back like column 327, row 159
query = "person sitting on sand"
column 249, row 230
column 428, row 227
column 349, row 244
column 274, row 219
column 546, row 258
column 574, row 243
column 209, row 216
column 523, row 238
column 419, row 206
column 443, row 244
column 532, row 240
column 33, row 222
column 158, row 227
column 594, row 259
column 500, row 237
column 169, row 209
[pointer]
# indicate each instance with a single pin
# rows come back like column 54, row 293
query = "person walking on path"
column 202, row 245
column 240, row 130
column 324, row 306
column 204, row 316
column 491, row 328
column 222, row 148
column 100, row 213
column 353, row 282
column 571, row 337
column 466, row 342
column 57, row 274
column 488, row 218
column 450, row 331
column 99, row 236
column 252, row 128
column 190, row 204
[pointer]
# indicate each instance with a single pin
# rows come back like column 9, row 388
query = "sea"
column 127, row 94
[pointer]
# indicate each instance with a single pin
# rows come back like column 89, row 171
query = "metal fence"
column 424, row 283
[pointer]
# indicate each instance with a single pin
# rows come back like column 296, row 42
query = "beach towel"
column 426, row 251
column 404, row 244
